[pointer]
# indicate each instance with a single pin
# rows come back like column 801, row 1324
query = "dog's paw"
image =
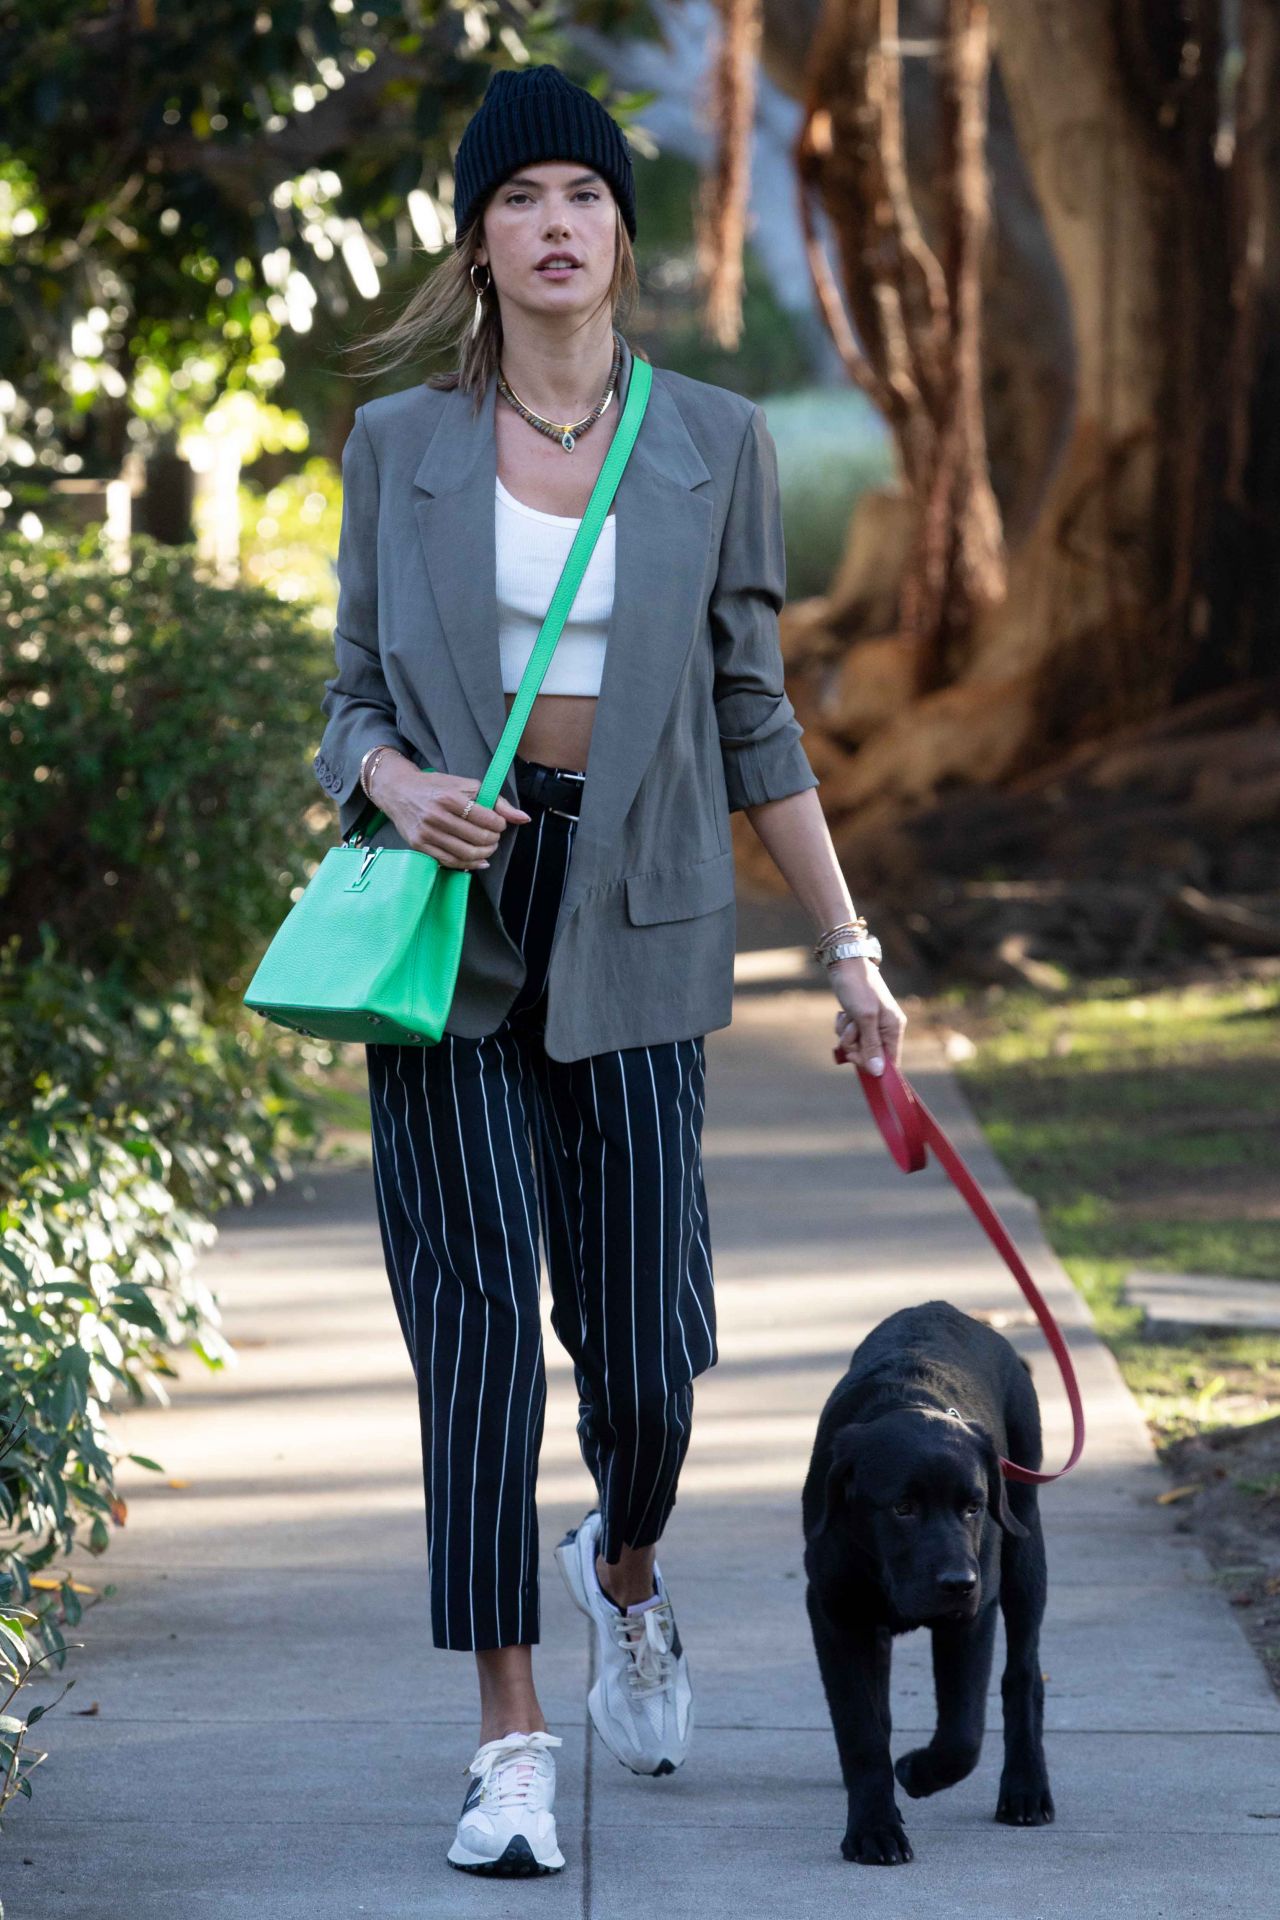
column 877, row 1844
column 915, row 1772
column 1024, row 1803
column 924, row 1771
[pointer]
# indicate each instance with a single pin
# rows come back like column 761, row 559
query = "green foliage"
column 16, row 1664
column 127, row 1124
column 160, row 810
column 172, row 235
column 289, row 535
column 160, row 814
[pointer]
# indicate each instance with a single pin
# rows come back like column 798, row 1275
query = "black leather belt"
column 556, row 789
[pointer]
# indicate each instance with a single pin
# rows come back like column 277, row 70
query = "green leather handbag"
column 370, row 950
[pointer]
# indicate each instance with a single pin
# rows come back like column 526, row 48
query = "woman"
column 567, row 1092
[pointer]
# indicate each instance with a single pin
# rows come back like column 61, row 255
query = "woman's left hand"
column 870, row 1023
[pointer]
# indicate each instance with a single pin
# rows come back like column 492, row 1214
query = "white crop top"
column 532, row 547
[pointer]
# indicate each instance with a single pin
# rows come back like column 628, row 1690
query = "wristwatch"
column 863, row 949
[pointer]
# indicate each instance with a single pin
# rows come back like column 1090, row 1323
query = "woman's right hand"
column 427, row 810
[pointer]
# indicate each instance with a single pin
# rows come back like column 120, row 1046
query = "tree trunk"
column 1134, row 458
column 1118, row 601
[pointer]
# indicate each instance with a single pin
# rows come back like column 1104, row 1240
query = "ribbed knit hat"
column 536, row 113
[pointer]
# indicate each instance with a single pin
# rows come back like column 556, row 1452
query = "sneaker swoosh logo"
column 473, row 1794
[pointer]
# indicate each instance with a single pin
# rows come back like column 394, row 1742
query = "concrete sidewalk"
column 277, row 1740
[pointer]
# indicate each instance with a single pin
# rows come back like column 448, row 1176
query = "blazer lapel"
column 665, row 513
column 455, row 515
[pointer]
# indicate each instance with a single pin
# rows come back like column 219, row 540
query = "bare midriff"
column 558, row 730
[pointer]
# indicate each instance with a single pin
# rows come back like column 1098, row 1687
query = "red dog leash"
column 909, row 1131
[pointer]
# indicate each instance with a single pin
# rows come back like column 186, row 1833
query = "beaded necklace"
column 567, row 432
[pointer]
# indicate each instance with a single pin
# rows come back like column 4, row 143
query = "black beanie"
column 536, row 113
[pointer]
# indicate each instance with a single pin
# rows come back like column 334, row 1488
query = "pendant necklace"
column 567, row 432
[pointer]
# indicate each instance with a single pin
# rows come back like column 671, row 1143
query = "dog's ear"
column 997, row 1493
column 841, row 1474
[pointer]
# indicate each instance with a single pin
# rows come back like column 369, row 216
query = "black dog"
column 909, row 1522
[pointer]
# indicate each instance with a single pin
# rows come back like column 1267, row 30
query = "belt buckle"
column 566, row 774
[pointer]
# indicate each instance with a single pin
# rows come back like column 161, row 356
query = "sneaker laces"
column 509, row 1767
column 647, row 1637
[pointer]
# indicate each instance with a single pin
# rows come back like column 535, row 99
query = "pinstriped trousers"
column 479, row 1145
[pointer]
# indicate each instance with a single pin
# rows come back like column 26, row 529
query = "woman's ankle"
column 496, row 1726
column 626, row 1581
column 508, row 1696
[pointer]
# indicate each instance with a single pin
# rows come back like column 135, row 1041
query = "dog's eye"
column 971, row 1507
column 904, row 1508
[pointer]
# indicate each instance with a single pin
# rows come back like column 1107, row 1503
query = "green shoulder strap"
column 562, row 599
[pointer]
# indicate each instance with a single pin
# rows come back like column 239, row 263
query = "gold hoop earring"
column 480, row 293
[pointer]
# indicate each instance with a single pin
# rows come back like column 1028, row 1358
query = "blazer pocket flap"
column 678, row 893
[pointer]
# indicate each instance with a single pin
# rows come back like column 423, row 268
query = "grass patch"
column 1146, row 1126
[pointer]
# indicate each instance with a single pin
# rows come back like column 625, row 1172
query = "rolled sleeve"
column 357, row 702
column 759, row 734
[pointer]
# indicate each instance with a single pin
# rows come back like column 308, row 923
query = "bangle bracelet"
column 368, row 764
column 848, row 929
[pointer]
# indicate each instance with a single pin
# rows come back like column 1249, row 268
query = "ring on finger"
column 467, row 809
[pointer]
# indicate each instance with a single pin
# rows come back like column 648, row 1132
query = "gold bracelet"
column 368, row 764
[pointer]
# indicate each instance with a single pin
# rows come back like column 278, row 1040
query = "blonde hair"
column 441, row 310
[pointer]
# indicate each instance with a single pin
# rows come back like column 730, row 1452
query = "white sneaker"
column 506, row 1825
column 642, row 1703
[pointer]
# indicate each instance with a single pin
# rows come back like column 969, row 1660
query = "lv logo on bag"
column 362, row 878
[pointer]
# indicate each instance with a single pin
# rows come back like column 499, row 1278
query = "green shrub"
column 126, row 1124
column 17, row 1664
column 159, row 811
column 158, row 815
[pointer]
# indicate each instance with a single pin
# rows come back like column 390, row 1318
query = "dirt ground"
column 1235, row 1513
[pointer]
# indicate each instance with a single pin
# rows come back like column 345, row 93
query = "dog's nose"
column 957, row 1586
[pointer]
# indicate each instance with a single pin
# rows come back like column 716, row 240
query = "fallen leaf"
column 84, row 1712
column 1179, row 1493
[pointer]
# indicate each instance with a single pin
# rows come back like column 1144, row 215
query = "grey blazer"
column 692, row 720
